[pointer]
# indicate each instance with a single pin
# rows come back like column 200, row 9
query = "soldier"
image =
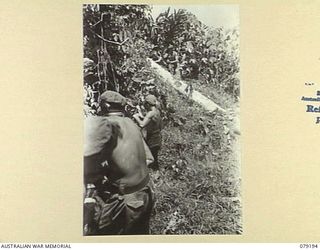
column 173, row 59
column 156, row 55
column 119, row 196
column 153, row 124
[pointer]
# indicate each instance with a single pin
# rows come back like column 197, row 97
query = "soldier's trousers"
column 123, row 214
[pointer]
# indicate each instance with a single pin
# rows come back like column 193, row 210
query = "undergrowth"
column 198, row 185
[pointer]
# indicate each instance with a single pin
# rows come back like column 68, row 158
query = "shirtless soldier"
column 119, row 196
column 153, row 124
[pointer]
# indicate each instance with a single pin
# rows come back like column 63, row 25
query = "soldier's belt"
column 129, row 190
column 154, row 132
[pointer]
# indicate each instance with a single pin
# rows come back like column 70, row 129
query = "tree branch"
column 108, row 41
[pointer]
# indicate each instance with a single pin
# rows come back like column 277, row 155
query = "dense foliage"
column 210, row 54
column 119, row 38
column 115, row 39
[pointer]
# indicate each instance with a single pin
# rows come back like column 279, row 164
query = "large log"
column 180, row 86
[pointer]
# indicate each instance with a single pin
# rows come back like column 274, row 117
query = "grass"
column 219, row 96
column 198, row 184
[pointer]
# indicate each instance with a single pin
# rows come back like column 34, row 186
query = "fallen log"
column 180, row 86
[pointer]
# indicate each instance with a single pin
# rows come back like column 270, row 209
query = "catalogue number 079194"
column 308, row 246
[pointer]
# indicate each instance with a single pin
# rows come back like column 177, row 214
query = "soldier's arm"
column 145, row 121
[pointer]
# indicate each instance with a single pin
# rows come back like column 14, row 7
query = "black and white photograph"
column 161, row 103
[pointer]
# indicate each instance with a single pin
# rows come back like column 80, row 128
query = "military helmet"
column 151, row 99
column 113, row 97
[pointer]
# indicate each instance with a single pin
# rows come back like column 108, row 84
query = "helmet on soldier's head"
column 151, row 99
column 113, row 97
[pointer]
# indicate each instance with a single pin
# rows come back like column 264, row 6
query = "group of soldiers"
column 119, row 195
column 189, row 62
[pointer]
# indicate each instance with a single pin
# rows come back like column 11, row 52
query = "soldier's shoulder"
column 122, row 121
column 98, row 131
